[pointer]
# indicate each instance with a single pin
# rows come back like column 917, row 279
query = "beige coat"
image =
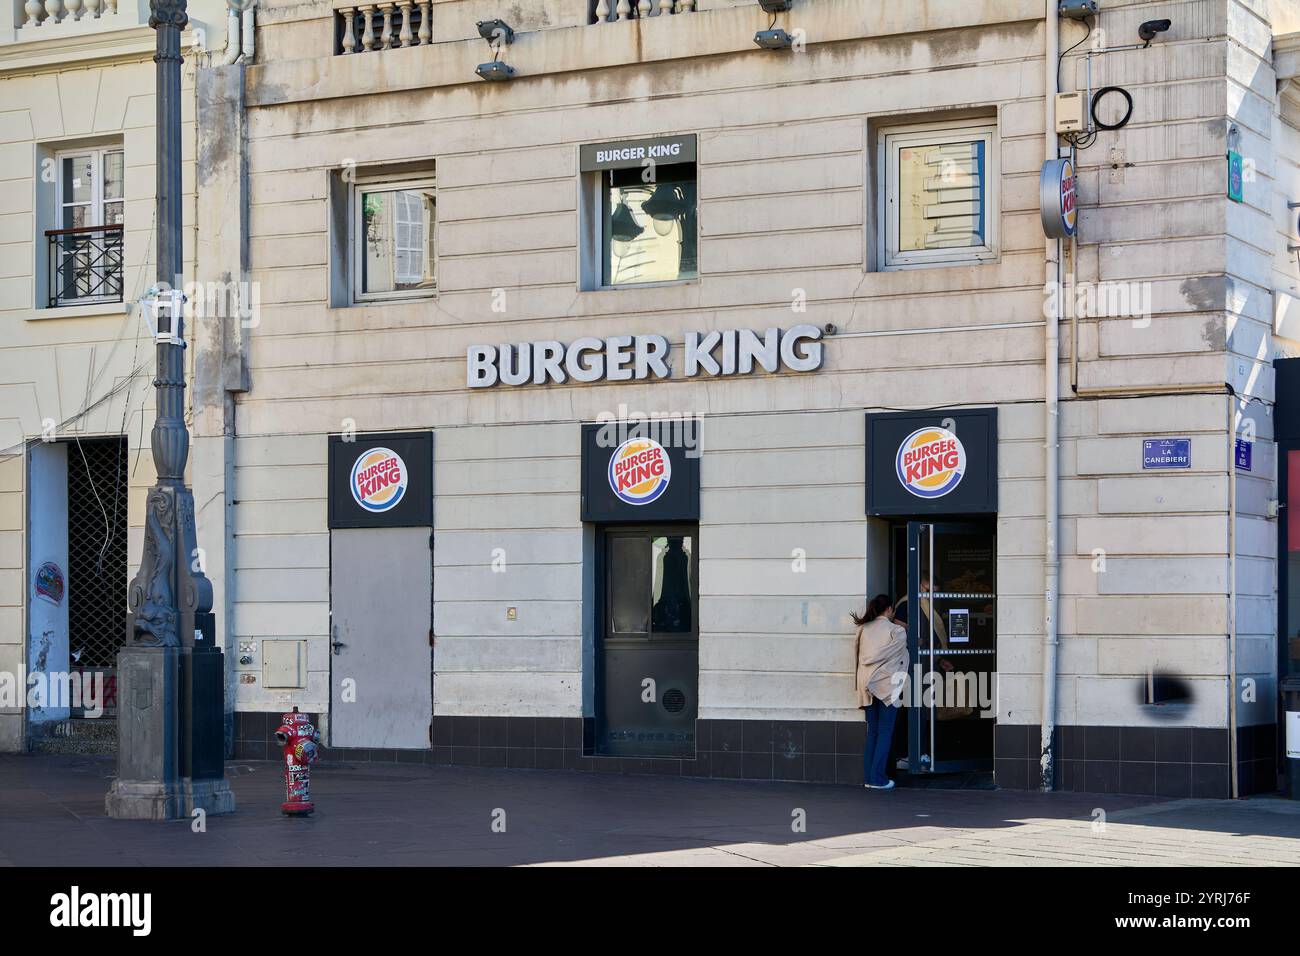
column 881, row 653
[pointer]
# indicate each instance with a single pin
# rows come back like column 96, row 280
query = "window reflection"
column 629, row 578
column 672, row 586
column 941, row 196
column 397, row 231
column 650, row 227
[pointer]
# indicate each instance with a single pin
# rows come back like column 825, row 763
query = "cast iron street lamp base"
column 151, row 800
column 170, row 732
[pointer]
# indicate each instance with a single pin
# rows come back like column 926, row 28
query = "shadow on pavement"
column 397, row 814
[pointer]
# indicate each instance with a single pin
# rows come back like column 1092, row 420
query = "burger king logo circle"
column 1069, row 198
column 378, row 480
column 930, row 462
column 639, row 471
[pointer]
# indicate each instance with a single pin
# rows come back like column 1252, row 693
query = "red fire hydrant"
column 299, row 739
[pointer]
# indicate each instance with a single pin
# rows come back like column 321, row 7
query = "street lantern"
column 170, row 672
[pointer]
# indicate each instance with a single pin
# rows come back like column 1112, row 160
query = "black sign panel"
column 634, row 153
column 937, row 462
column 381, row 480
column 641, row 471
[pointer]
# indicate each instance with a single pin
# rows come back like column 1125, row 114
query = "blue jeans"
column 880, row 735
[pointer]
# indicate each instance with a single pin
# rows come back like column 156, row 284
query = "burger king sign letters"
column 930, row 462
column 379, row 479
column 639, row 471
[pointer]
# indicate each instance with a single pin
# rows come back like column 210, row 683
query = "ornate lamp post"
column 170, row 673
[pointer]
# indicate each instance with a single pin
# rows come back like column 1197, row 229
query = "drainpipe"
column 1051, row 408
column 246, row 43
column 239, row 36
column 1232, row 594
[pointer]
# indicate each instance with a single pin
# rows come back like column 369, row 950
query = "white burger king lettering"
column 639, row 471
column 379, row 479
column 930, row 462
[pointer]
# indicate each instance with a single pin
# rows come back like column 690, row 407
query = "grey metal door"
column 381, row 591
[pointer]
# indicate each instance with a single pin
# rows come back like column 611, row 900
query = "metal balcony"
column 85, row 265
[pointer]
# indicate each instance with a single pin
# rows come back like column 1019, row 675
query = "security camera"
column 496, row 31
column 774, row 39
column 495, row 71
column 775, row 6
column 1149, row 30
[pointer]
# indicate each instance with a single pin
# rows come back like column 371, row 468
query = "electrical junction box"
column 1069, row 112
column 284, row 663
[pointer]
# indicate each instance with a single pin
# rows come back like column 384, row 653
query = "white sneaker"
column 887, row 785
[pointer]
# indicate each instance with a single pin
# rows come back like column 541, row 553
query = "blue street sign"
column 1245, row 450
column 1159, row 453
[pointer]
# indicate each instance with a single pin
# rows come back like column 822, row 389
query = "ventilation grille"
column 674, row 701
column 97, row 577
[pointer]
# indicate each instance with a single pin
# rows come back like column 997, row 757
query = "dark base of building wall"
column 1154, row 761
column 1147, row 761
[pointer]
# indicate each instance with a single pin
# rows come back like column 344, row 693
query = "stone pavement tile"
column 1075, row 842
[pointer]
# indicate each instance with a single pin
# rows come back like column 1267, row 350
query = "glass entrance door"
column 951, row 617
column 648, row 659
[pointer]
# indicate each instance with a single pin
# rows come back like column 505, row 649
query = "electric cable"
column 90, row 479
column 1077, row 140
column 1128, row 112
column 1087, row 25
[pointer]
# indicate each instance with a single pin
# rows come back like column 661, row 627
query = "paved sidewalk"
column 51, row 813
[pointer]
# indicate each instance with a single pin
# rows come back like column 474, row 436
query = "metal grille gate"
column 97, row 573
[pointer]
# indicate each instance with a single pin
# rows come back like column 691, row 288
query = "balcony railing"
column 610, row 11
column 47, row 13
column 85, row 265
column 364, row 27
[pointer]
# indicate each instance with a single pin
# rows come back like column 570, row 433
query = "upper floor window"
column 649, row 231
column 85, row 249
column 938, row 195
column 393, row 240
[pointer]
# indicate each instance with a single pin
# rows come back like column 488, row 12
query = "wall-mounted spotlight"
column 775, row 6
column 1147, row 32
column 496, row 32
column 495, row 71
column 1077, row 9
column 774, row 39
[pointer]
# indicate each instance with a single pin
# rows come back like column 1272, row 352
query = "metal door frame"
column 920, row 720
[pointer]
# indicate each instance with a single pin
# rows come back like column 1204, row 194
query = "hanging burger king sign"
column 379, row 479
column 930, row 462
column 1058, row 199
column 639, row 471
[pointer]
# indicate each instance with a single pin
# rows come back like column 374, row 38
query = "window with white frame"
column 85, row 247
column 938, row 195
column 393, row 253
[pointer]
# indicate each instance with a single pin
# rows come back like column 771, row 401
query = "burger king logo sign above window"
column 379, row 480
column 639, row 471
column 930, row 462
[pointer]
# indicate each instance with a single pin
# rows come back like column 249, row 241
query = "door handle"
column 334, row 640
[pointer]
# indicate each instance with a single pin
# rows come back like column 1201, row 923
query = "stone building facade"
column 807, row 263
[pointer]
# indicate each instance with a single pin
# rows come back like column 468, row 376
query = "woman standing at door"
column 882, row 661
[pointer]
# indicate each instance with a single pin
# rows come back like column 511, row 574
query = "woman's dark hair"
column 878, row 605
